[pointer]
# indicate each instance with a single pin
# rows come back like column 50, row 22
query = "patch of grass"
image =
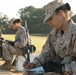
column 38, row 41
column 9, row 37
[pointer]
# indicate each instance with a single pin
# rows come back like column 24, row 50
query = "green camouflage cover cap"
column 51, row 7
column 11, row 22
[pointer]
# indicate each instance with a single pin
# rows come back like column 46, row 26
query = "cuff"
column 37, row 63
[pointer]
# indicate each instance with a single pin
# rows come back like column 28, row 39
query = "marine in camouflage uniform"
column 59, row 51
column 59, row 46
column 17, row 46
column 20, row 42
column 1, row 38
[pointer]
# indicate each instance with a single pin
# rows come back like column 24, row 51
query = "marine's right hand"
column 28, row 65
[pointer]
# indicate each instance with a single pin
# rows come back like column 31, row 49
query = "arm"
column 74, row 47
column 21, row 38
column 46, row 54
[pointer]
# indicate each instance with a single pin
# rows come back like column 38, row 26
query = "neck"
column 64, row 26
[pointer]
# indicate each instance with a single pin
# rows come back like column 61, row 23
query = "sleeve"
column 22, row 39
column 46, row 54
column 74, row 46
column 11, row 43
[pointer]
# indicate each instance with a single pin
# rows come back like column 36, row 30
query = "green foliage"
column 34, row 17
column 74, row 18
column 3, row 22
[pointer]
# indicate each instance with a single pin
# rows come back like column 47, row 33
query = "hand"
column 28, row 65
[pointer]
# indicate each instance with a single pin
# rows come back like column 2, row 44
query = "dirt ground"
column 18, row 73
column 14, row 72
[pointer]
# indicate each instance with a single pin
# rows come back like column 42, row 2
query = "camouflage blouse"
column 58, row 44
column 21, row 37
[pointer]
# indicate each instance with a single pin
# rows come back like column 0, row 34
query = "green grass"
column 38, row 41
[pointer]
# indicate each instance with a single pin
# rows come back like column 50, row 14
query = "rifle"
column 27, row 34
column 28, row 48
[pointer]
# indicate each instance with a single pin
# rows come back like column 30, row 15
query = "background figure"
column 14, row 47
column 1, row 38
column 59, row 49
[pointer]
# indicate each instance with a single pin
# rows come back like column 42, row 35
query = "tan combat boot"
column 6, row 66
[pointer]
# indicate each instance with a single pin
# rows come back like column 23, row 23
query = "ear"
column 16, row 23
column 61, row 12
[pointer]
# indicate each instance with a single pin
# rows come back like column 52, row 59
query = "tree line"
column 33, row 16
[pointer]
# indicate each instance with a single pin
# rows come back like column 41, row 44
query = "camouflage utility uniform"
column 20, row 42
column 58, row 45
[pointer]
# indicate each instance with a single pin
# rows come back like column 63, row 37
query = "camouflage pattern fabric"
column 20, row 42
column 58, row 44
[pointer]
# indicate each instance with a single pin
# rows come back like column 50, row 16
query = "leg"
column 8, row 51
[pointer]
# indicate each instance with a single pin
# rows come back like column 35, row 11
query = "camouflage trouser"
column 9, row 50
